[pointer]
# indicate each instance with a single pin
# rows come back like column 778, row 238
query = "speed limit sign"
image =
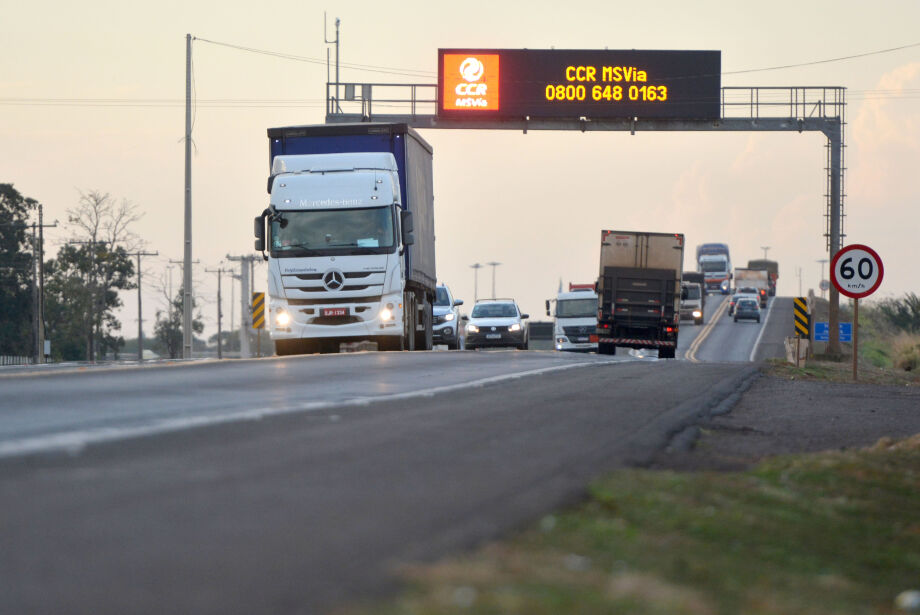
column 857, row 271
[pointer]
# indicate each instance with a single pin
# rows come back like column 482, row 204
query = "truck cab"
column 691, row 302
column 574, row 319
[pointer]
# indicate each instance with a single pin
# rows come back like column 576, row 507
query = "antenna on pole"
column 336, row 41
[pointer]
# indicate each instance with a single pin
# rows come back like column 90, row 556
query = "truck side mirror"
column 525, row 316
column 458, row 301
column 406, row 221
column 259, row 229
column 547, row 307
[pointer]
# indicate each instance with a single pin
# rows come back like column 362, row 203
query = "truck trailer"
column 639, row 291
column 349, row 235
column 771, row 267
column 758, row 279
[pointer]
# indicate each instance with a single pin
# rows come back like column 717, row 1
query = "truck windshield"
column 333, row 231
column 576, row 308
column 693, row 292
column 712, row 266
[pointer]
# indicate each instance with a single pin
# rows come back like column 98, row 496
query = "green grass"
column 833, row 533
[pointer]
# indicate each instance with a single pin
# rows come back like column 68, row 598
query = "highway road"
column 293, row 484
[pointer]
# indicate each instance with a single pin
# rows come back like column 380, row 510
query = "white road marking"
column 707, row 329
column 763, row 328
column 73, row 442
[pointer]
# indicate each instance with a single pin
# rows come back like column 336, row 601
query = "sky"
column 92, row 97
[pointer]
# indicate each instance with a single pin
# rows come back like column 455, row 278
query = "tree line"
column 81, row 283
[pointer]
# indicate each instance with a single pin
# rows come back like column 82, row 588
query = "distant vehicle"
column 772, row 267
column 446, row 312
column 745, row 292
column 756, row 278
column 496, row 322
column 716, row 270
column 699, row 278
column 575, row 318
column 691, row 302
column 711, row 248
column 747, row 308
column 639, row 291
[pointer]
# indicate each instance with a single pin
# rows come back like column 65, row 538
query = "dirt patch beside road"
column 786, row 411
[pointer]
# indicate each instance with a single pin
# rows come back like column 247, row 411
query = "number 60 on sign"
column 857, row 271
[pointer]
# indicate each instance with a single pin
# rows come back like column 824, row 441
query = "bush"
column 906, row 352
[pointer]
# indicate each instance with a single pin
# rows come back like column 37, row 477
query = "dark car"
column 747, row 308
column 496, row 322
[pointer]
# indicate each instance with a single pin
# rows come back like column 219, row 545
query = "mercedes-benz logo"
column 333, row 280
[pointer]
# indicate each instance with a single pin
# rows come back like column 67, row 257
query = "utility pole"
column 476, row 267
column 245, row 262
column 187, row 270
column 38, row 282
column 493, row 264
column 218, row 271
column 140, row 317
column 798, row 272
column 765, row 248
column 186, row 299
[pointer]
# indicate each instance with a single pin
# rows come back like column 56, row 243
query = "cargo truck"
column 771, row 267
column 349, row 235
column 575, row 319
column 757, row 279
column 639, row 291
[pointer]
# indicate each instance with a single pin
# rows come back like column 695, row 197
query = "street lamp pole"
column 493, row 264
column 821, row 262
column 475, row 267
column 765, row 248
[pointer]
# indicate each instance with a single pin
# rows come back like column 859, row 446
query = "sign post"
column 857, row 272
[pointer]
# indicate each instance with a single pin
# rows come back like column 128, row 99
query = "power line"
column 827, row 61
column 360, row 67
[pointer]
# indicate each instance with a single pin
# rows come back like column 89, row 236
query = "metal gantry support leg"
column 835, row 225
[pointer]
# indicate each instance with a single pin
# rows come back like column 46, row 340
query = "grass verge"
column 835, row 532
column 834, row 371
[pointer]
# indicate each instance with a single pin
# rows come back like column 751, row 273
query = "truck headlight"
column 515, row 327
column 697, row 313
column 387, row 312
column 282, row 318
column 449, row 316
column 472, row 329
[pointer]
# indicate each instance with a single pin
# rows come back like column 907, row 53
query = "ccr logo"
column 470, row 81
column 471, row 69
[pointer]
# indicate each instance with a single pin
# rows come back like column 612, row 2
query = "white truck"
column 350, row 238
column 575, row 318
column 717, row 271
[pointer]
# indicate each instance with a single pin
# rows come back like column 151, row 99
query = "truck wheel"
column 411, row 314
column 423, row 339
column 606, row 349
column 698, row 322
column 665, row 353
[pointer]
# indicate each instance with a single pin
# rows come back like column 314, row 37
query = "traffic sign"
column 823, row 331
column 258, row 310
column 857, row 271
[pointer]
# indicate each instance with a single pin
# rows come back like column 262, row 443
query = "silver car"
column 446, row 312
column 497, row 322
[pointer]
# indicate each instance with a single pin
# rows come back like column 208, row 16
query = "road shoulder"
column 779, row 416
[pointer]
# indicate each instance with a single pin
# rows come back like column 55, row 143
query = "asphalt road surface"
column 291, row 485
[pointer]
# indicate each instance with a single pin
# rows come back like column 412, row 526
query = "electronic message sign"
column 594, row 84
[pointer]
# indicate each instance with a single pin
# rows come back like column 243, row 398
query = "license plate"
column 335, row 311
column 583, row 338
column 493, row 336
